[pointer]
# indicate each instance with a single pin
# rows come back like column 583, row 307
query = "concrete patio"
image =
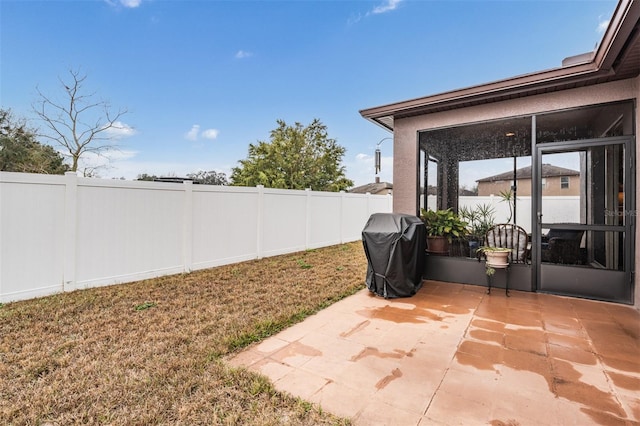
column 453, row 355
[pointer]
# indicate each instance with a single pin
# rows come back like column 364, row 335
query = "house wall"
column 552, row 188
column 384, row 192
column 498, row 186
column 406, row 130
column 405, row 168
column 380, row 192
column 406, row 156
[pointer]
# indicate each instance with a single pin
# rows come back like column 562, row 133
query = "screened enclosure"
column 564, row 176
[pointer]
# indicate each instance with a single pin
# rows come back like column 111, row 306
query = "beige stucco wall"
column 405, row 148
column 383, row 192
column 405, row 168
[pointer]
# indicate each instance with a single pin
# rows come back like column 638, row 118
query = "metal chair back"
column 510, row 236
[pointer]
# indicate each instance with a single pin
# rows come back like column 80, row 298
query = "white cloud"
column 192, row 134
column 354, row 19
column 241, row 54
column 361, row 169
column 120, row 130
column 130, row 4
column 100, row 164
column 388, row 6
column 124, row 155
column 210, row 134
column 602, row 26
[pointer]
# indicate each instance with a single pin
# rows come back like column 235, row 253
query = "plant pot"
column 474, row 243
column 498, row 259
column 459, row 247
column 438, row 246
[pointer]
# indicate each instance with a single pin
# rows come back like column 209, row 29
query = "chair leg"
column 507, row 282
column 489, row 284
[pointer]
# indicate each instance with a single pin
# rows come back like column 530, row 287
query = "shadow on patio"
column 454, row 355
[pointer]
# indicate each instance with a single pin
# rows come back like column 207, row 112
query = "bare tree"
column 79, row 124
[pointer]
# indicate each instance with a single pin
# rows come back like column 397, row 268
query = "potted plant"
column 497, row 257
column 479, row 219
column 442, row 226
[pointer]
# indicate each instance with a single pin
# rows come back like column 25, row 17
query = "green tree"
column 209, row 178
column 296, row 157
column 21, row 152
column 147, row 177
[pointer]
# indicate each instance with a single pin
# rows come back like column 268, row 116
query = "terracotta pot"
column 497, row 259
column 438, row 246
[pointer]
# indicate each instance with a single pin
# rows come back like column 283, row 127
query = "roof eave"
column 486, row 90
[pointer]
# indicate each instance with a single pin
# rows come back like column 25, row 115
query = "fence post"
column 307, row 236
column 70, row 231
column 260, row 221
column 187, row 238
column 342, row 195
column 1, row 186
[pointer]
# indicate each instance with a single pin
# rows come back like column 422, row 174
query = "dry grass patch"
column 150, row 352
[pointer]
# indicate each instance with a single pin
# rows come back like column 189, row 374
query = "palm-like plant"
column 479, row 219
column 509, row 198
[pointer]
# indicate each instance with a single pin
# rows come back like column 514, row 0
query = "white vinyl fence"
column 61, row 233
column 555, row 209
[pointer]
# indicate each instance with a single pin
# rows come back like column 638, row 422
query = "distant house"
column 174, row 179
column 375, row 188
column 555, row 181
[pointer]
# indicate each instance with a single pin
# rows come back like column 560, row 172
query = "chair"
column 511, row 236
column 562, row 246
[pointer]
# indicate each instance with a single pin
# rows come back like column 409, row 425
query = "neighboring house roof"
column 548, row 170
column 174, row 179
column 616, row 58
column 372, row 188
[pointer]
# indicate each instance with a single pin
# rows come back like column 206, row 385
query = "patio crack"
column 453, row 357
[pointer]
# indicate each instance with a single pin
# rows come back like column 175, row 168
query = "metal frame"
column 628, row 229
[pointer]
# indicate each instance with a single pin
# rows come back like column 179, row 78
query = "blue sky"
column 204, row 79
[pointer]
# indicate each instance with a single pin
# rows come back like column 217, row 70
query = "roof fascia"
column 627, row 12
column 484, row 90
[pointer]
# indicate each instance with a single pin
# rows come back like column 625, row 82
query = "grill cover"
column 395, row 247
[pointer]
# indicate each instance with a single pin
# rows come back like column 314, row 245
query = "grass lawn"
column 152, row 352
